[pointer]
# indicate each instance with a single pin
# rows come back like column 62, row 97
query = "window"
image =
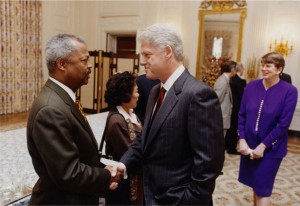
column 217, row 47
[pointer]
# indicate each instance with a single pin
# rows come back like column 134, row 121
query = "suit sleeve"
column 242, row 116
column 220, row 89
column 285, row 118
column 54, row 134
column 132, row 157
column 205, row 131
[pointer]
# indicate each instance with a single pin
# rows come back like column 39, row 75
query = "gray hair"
column 60, row 47
column 162, row 35
column 239, row 67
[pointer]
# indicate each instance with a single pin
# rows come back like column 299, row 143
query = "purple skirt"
column 259, row 174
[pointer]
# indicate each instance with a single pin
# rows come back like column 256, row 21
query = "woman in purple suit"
column 266, row 111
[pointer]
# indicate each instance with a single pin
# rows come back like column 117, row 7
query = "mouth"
column 88, row 73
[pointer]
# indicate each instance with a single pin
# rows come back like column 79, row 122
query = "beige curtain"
column 20, row 54
column 209, row 41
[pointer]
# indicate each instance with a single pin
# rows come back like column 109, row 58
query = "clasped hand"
column 254, row 154
column 117, row 173
column 258, row 152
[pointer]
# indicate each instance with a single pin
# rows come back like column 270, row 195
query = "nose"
column 89, row 66
column 142, row 61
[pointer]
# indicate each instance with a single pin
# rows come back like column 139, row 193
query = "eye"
column 85, row 61
column 147, row 55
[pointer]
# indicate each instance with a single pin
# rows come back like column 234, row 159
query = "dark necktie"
column 79, row 106
column 159, row 101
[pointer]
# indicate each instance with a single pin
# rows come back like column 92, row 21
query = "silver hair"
column 239, row 67
column 60, row 47
column 162, row 35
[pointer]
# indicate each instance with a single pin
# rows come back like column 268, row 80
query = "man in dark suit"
column 144, row 87
column 60, row 141
column 182, row 146
column 237, row 86
column 286, row 77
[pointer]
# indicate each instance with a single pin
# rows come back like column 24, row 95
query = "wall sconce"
column 281, row 47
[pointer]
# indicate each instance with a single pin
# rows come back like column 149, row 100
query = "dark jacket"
column 182, row 150
column 286, row 77
column 64, row 152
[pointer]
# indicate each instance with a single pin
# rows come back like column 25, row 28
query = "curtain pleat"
column 20, row 54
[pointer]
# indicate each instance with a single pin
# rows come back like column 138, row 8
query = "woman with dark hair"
column 266, row 112
column 122, row 126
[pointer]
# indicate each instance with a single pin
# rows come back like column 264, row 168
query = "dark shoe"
column 233, row 152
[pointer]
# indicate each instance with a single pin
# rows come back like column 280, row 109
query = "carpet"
column 17, row 173
column 286, row 192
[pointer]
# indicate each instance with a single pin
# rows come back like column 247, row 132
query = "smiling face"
column 269, row 71
column 272, row 65
column 154, row 61
column 77, row 67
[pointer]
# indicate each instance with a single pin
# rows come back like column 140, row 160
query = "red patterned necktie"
column 159, row 101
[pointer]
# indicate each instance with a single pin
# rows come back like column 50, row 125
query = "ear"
column 169, row 52
column 279, row 70
column 60, row 64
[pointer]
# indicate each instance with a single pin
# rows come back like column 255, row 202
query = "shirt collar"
column 126, row 116
column 176, row 74
column 240, row 76
column 64, row 87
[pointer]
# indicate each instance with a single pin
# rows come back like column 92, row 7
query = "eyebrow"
column 84, row 57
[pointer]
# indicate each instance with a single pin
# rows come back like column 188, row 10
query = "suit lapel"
column 149, row 109
column 166, row 108
column 84, row 122
column 68, row 100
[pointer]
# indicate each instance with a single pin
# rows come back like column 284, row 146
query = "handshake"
column 117, row 171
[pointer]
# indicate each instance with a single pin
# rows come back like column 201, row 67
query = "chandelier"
column 282, row 47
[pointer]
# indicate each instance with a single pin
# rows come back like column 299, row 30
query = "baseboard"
column 294, row 133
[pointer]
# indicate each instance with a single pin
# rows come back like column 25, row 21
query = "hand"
column 243, row 147
column 258, row 152
column 117, row 173
column 113, row 185
column 121, row 170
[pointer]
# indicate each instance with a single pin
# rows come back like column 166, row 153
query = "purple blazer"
column 265, row 116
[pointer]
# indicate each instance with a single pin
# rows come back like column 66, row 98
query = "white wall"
column 94, row 19
column 57, row 17
column 267, row 20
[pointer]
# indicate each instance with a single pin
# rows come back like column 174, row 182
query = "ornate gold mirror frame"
column 223, row 11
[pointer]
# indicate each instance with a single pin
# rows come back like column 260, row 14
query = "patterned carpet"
column 286, row 192
column 17, row 175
